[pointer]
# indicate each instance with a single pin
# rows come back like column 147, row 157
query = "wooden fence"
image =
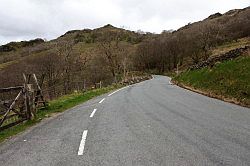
column 20, row 103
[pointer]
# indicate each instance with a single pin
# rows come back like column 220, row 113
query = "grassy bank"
column 229, row 80
column 59, row 105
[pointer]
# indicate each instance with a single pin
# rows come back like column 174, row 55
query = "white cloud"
column 27, row 19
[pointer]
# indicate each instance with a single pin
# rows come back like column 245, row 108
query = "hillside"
column 14, row 52
column 13, row 46
column 194, row 42
column 77, row 60
column 234, row 20
column 228, row 79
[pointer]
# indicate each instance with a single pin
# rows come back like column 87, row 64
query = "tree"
column 65, row 51
column 113, row 50
column 208, row 35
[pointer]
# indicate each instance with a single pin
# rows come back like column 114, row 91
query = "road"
column 152, row 123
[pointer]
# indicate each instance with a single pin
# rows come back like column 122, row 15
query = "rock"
column 214, row 16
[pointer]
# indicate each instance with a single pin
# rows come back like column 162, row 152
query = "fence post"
column 39, row 91
column 27, row 98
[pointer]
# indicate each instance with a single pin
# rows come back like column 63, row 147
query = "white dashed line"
column 101, row 100
column 82, row 144
column 113, row 92
column 117, row 91
column 93, row 113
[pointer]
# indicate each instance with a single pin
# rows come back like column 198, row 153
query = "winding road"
column 152, row 123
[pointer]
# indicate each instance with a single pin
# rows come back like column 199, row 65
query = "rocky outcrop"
column 211, row 61
column 216, row 15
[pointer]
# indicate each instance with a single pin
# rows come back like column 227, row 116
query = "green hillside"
column 228, row 80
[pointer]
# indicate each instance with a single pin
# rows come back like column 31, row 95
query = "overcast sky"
column 28, row 19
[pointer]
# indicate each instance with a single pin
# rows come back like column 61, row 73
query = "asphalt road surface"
column 152, row 123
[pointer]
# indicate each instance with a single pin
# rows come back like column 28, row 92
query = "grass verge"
column 229, row 81
column 55, row 106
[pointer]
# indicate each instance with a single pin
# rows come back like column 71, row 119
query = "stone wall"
column 211, row 61
column 135, row 79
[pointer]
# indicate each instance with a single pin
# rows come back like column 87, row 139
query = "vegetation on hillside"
column 229, row 80
column 13, row 46
column 194, row 42
column 78, row 60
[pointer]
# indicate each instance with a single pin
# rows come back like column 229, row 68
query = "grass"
column 4, row 65
column 55, row 106
column 230, row 79
column 231, row 45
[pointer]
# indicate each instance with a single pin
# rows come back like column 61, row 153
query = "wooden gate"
column 20, row 103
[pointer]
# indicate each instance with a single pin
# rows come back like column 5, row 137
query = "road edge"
column 210, row 94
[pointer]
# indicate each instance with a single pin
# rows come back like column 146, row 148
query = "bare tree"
column 65, row 51
column 208, row 34
column 112, row 49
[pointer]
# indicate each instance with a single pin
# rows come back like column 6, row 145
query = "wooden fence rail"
column 10, row 89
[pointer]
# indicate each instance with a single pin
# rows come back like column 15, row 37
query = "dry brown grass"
column 231, row 46
column 4, row 65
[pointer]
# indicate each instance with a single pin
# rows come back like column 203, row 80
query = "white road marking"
column 117, row 90
column 101, row 100
column 93, row 113
column 113, row 92
column 82, row 144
